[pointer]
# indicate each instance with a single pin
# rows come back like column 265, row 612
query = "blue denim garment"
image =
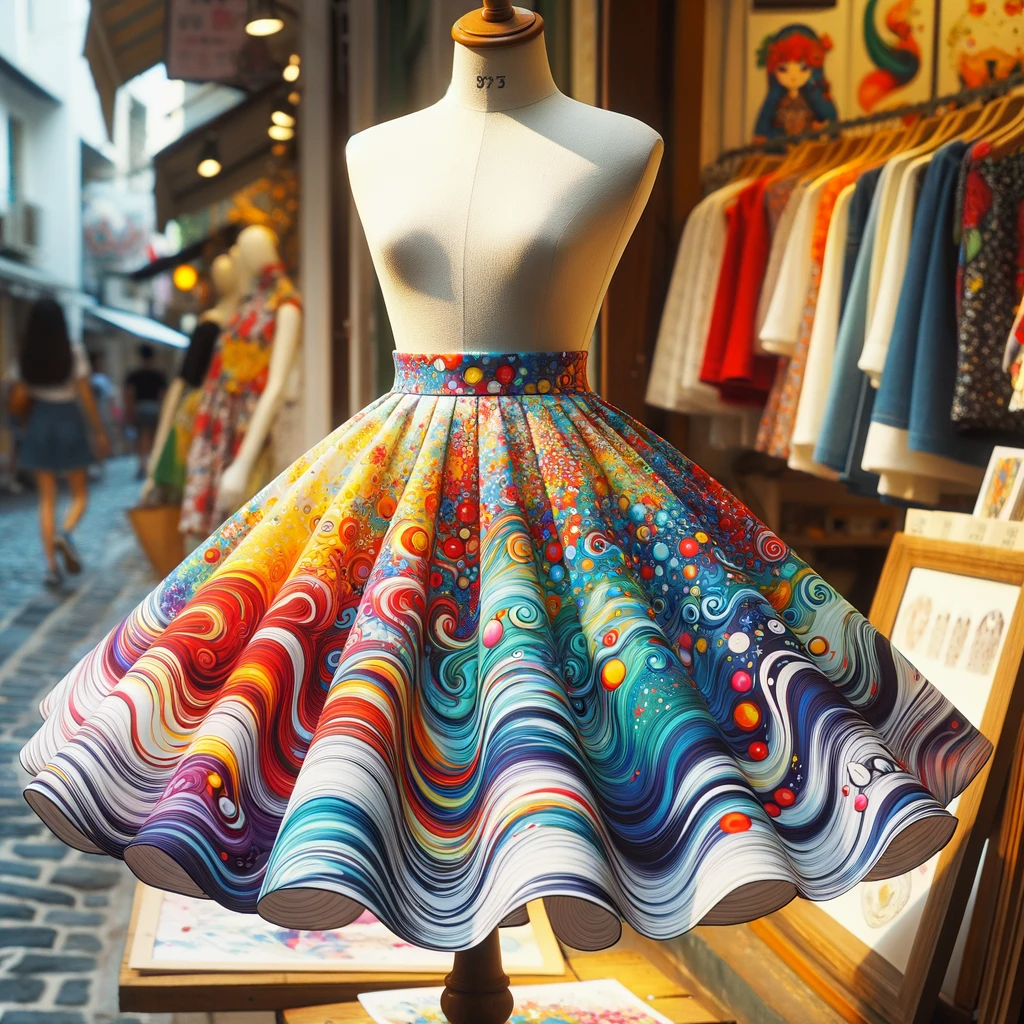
column 933, row 373
column 843, row 431
column 892, row 403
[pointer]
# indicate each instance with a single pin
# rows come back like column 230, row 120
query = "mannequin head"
column 222, row 273
column 256, row 249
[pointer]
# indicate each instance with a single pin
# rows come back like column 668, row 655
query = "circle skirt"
column 489, row 641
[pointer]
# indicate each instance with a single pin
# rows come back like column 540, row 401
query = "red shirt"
column 730, row 363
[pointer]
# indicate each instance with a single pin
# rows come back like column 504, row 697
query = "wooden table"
column 630, row 967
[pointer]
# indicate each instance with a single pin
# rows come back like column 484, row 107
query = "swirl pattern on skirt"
column 492, row 640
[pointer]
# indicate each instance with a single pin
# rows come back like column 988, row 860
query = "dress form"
column 496, row 217
column 495, row 220
column 230, row 283
column 257, row 249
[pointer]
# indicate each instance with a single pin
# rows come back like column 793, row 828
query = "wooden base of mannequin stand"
column 476, row 991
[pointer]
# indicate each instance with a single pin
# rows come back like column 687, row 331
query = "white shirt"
column 781, row 327
column 810, row 413
column 894, row 269
column 780, row 241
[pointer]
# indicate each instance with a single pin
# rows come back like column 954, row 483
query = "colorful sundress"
column 489, row 641
column 234, row 382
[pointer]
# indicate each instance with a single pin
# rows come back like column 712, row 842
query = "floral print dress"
column 234, row 383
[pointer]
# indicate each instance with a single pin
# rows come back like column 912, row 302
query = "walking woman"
column 55, row 374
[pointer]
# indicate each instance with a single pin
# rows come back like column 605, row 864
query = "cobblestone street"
column 63, row 914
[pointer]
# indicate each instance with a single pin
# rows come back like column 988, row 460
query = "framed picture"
column 1001, row 494
column 889, row 948
column 181, row 934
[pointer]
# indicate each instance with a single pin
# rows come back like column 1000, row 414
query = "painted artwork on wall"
column 891, row 62
column 979, row 40
column 790, row 83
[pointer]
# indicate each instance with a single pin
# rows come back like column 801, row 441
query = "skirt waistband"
column 491, row 373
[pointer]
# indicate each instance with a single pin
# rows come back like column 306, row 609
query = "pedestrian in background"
column 53, row 379
column 143, row 392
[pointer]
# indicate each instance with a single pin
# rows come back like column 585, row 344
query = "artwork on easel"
column 979, row 41
column 891, row 59
column 961, row 661
column 183, row 934
column 889, row 946
column 793, row 71
column 578, row 1002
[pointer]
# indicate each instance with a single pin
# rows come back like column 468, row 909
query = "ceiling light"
column 291, row 72
column 263, row 19
column 209, row 165
column 185, row 277
column 284, row 119
column 279, row 133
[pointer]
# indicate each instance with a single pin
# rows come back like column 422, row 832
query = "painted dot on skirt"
column 612, row 674
column 747, row 715
column 757, row 751
column 818, row 646
column 734, row 821
column 493, row 633
column 212, row 555
column 785, row 797
column 741, row 681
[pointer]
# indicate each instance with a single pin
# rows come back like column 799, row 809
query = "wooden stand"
column 476, row 991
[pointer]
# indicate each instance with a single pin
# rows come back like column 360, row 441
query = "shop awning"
column 244, row 146
column 125, row 38
column 141, row 326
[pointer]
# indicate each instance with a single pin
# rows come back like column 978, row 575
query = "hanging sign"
column 204, row 39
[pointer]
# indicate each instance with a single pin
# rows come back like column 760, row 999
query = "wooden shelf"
column 800, row 542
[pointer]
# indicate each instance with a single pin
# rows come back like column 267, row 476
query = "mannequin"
column 496, row 217
column 256, row 255
column 495, row 220
column 257, row 249
column 230, row 282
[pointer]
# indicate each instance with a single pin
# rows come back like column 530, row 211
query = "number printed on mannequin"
column 486, row 81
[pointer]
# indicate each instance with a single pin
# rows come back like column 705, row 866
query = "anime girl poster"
column 791, row 72
column 979, row 41
column 891, row 62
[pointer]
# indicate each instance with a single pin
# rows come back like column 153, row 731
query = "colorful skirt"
column 493, row 640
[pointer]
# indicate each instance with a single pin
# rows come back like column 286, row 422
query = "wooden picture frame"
column 861, row 984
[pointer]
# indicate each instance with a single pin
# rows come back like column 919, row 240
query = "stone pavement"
column 63, row 914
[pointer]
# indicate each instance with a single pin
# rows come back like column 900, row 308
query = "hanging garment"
column 840, row 443
column 776, row 428
column 674, row 382
column 729, row 361
column 709, row 258
column 781, row 326
column 170, row 467
column 780, row 232
column 915, row 476
column 811, row 406
column 234, row 383
column 989, row 290
column 931, row 429
column 1013, row 363
column 492, row 641
column 894, row 268
column 889, row 190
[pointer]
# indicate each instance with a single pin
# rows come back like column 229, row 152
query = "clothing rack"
column 983, row 92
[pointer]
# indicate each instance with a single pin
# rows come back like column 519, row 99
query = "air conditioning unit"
column 20, row 230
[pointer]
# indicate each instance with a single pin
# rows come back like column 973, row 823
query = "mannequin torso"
column 496, row 217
